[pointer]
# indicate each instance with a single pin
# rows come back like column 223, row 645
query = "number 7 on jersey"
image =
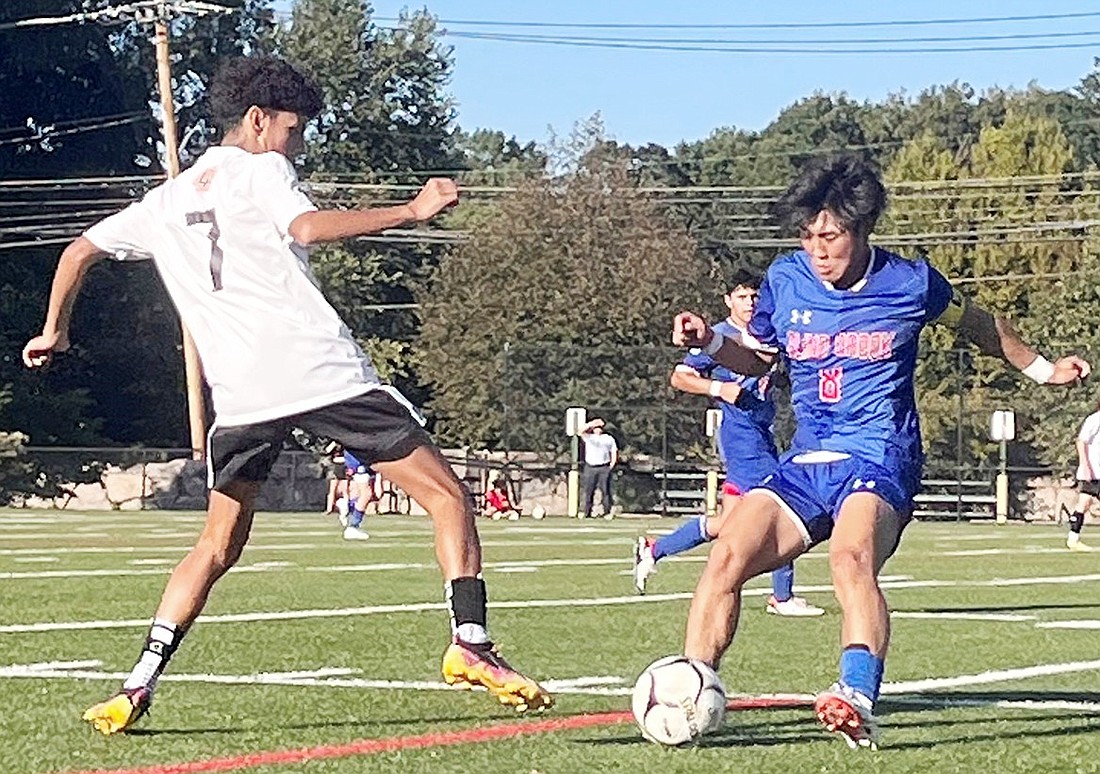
column 207, row 216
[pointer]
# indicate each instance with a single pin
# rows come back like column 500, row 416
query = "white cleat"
column 795, row 607
column 644, row 563
column 354, row 533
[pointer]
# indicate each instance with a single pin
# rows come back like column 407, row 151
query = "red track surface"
column 416, row 742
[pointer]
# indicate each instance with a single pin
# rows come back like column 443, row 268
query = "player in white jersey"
column 230, row 237
column 1088, row 479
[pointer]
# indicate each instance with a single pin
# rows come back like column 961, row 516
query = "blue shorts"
column 749, row 456
column 814, row 492
column 746, row 473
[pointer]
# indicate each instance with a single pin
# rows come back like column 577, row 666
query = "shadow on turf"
column 1003, row 608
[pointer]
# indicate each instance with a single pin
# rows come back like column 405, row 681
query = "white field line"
column 993, row 676
column 420, row 607
column 374, row 543
column 1073, row 624
column 328, row 677
column 510, row 566
column 949, row 616
column 1006, row 551
column 608, row 685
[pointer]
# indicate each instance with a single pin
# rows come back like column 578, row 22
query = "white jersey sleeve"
column 124, row 235
column 1088, row 468
column 275, row 190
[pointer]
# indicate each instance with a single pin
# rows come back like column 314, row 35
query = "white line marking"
column 984, row 678
column 1074, row 624
column 517, row 604
column 947, row 615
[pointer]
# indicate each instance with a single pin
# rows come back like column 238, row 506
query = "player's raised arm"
column 74, row 263
column 320, row 226
column 996, row 336
column 691, row 330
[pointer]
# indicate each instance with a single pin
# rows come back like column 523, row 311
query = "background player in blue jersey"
column 745, row 443
column 847, row 317
column 360, row 495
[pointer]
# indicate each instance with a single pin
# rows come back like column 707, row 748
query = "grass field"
column 332, row 649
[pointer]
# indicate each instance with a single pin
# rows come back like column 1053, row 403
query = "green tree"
column 388, row 119
column 564, row 299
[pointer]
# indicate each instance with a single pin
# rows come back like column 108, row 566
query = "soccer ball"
column 538, row 512
column 678, row 699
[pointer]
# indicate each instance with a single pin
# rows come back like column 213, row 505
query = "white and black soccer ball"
column 678, row 699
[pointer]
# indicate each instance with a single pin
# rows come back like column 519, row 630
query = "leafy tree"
column 388, row 119
column 562, row 300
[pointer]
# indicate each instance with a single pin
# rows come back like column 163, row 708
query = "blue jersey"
column 745, row 438
column 852, row 353
column 353, row 466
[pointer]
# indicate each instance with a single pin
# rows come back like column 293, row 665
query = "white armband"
column 1041, row 370
column 716, row 342
column 715, row 388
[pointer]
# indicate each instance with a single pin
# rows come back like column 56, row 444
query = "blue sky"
column 669, row 96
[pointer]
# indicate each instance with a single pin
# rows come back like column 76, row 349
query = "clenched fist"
column 436, row 195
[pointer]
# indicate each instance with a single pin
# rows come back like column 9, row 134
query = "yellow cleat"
column 468, row 666
column 1077, row 545
column 120, row 711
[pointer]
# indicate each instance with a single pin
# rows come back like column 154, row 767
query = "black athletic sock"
column 467, row 599
column 1076, row 522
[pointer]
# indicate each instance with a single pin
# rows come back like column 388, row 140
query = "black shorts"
column 1089, row 487
column 374, row 426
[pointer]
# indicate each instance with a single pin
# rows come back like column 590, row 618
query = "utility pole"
column 196, row 408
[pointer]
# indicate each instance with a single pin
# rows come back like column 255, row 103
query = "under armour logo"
column 861, row 484
column 803, row 316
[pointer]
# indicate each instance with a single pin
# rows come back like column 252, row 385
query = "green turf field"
column 318, row 644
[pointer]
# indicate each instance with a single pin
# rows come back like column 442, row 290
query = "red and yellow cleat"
column 467, row 666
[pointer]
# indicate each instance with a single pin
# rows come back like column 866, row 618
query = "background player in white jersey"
column 1088, row 479
column 745, row 442
column 847, row 318
column 230, row 238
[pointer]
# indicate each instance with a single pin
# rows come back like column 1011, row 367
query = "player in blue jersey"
column 360, row 495
column 846, row 316
column 745, row 443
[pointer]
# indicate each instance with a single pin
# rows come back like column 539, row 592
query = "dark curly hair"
column 846, row 185
column 742, row 278
column 264, row 81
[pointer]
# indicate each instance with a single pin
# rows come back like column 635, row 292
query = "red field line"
column 418, row 741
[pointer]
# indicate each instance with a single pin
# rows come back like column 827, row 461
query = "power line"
column 762, row 26
column 783, row 41
column 141, row 10
column 797, row 50
column 50, row 133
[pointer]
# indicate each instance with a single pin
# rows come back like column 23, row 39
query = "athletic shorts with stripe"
column 374, row 426
column 811, row 493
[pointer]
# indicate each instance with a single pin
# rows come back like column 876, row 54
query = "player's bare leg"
column 1077, row 522
column 471, row 659
column 228, row 522
column 756, row 537
column 865, row 535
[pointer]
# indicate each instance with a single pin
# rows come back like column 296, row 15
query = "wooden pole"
column 196, row 410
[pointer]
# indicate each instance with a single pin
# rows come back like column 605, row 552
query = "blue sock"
column 861, row 670
column 355, row 517
column 685, row 538
column 783, row 582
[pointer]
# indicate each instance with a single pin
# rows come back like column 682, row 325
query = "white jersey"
column 271, row 345
column 1090, row 437
column 598, row 448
